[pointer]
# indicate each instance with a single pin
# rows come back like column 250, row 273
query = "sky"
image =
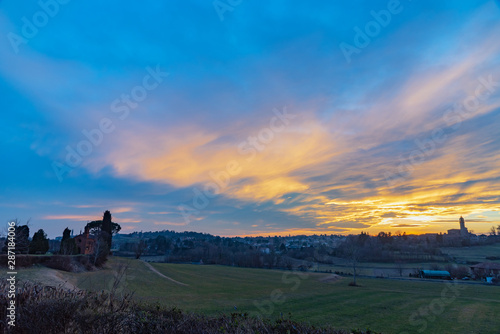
column 237, row 117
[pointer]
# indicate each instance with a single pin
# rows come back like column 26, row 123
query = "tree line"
column 100, row 231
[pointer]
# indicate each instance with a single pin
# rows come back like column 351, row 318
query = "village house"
column 486, row 269
column 85, row 242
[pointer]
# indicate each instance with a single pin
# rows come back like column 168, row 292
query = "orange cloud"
column 69, row 217
column 338, row 165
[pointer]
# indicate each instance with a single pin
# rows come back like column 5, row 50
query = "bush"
column 24, row 261
column 76, row 263
column 60, row 262
column 458, row 271
column 84, row 260
column 69, row 263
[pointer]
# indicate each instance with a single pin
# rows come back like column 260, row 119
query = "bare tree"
column 400, row 268
column 101, row 250
column 119, row 277
column 352, row 249
column 140, row 248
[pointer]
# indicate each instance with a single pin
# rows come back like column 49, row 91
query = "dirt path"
column 156, row 271
column 51, row 277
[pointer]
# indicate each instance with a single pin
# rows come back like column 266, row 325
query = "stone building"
column 457, row 235
column 85, row 242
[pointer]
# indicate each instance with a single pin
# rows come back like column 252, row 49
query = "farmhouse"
column 85, row 242
column 486, row 269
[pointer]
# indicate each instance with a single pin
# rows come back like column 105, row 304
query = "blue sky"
column 246, row 118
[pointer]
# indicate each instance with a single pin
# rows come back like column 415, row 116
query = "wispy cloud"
column 324, row 173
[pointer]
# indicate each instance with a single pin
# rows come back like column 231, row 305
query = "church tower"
column 464, row 232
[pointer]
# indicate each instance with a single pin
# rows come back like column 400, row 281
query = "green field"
column 473, row 254
column 388, row 306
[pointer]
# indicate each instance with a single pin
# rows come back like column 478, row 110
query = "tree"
column 498, row 229
column 106, row 226
column 352, row 250
column 282, row 248
column 399, row 267
column 385, row 238
column 162, row 244
column 493, row 231
column 39, row 244
column 139, row 248
column 68, row 244
column 101, row 249
column 440, row 238
column 362, row 238
column 22, row 240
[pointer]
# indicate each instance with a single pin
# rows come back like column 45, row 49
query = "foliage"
column 77, row 263
column 101, row 250
column 39, row 244
column 74, row 263
column 103, row 231
column 140, row 247
column 22, row 239
column 107, row 227
column 68, row 244
column 104, row 225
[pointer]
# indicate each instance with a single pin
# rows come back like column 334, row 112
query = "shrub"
column 24, row 261
column 69, row 263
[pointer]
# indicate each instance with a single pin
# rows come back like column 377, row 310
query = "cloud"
column 68, row 217
column 408, row 225
column 325, row 171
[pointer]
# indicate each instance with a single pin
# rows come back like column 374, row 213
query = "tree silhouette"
column 22, row 239
column 101, row 250
column 68, row 244
column 105, row 228
column 39, row 244
column 140, row 248
column 352, row 249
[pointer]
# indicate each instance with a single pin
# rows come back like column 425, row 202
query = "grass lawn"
column 473, row 254
column 388, row 306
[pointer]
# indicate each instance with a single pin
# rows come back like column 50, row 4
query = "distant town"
column 328, row 253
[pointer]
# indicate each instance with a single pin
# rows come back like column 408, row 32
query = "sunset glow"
column 252, row 125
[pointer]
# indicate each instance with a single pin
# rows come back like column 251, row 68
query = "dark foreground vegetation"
column 42, row 309
column 70, row 263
